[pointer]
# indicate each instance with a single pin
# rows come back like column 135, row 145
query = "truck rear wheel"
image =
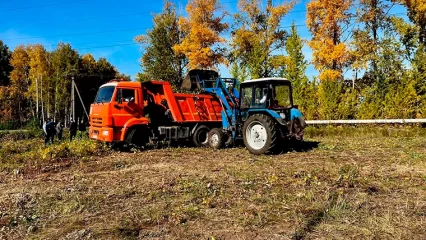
column 201, row 136
column 216, row 138
column 260, row 135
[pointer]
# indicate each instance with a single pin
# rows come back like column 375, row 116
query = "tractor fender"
column 133, row 123
column 269, row 112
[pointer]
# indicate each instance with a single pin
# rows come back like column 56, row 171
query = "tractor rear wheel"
column 260, row 134
column 201, row 136
column 216, row 138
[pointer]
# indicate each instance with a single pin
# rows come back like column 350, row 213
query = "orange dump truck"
column 137, row 113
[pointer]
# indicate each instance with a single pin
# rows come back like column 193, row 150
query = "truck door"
column 126, row 106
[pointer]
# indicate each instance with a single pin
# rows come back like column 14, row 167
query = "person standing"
column 73, row 129
column 46, row 136
column 59, row 130
column 48, row 130
column 82, row 128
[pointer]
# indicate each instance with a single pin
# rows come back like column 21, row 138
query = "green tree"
column 65, row 66
column 294, row 69
column 159, row 60
column 373, row 18
column 258, row 37
column 5, row 67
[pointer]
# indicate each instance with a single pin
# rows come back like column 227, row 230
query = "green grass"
column 357, row 184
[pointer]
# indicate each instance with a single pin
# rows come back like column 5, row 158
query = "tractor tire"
column 260, row 134
column 216, row 138
column 201, row 136
column 137, row 137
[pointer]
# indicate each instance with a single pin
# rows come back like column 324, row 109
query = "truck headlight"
column 105, row 133
column 282, row 115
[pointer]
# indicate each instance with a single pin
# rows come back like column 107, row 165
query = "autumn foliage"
column 202, row 28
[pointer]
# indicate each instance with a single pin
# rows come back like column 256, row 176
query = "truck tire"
column 259, row 133
column 137, row 137
column 201, row 136
column 216, row 138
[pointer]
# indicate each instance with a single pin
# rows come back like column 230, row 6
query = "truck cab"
column 115, row 104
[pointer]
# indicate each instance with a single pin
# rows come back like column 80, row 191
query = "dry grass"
column 356, row 187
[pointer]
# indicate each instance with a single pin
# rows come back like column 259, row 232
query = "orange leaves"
column 203, row 29
column 324, row 21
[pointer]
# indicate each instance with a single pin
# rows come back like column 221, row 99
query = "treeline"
column 36, row 83
column 385, row 52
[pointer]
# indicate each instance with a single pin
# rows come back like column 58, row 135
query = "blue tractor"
column 257, row 111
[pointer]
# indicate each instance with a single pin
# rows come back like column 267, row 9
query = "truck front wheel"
column 260, row 135
column 216, row 138
column 137, row 137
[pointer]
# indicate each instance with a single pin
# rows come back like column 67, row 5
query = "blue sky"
column 105, row 28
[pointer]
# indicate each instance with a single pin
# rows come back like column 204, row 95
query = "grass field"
column 346, row 184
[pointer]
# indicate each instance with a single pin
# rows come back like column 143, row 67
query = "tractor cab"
column 273, row 95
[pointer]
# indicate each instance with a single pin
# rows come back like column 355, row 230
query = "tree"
column 39, row 74
column 5, row 67
column 417, row 14
column 65, row 66
column 258, row 37
column 330, row 54
column 19, row 78
column 201, row 44
column 294, row 69
column 372, row 15
column 295, row 64
column 159, row 60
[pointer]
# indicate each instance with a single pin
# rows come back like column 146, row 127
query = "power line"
column 41, row 6
column 107, row 46
column 79, row 34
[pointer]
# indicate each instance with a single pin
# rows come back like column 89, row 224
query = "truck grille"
column 96, row 121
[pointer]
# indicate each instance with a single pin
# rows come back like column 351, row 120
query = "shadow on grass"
column 297, row 146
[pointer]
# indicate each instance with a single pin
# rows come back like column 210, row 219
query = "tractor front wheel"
column 216, row 138
column 260, row 135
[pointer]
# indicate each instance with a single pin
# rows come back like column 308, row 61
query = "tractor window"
column 282, row 95
column 261, row 96
column 247, row 97
column 125, row 94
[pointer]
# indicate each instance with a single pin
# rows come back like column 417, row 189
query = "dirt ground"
column 335, row 187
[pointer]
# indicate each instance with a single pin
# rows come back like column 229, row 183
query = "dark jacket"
column 73, row 127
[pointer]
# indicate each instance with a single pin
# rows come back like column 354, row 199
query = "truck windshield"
column 105, row 94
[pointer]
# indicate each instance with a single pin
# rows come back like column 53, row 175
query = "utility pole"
column 37, row 97
column 72, row 98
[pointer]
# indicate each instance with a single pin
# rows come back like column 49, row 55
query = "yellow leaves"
column 278, row 12
column 330, row 75
column 20, row 63
column 203, row 31
column 323, row 19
